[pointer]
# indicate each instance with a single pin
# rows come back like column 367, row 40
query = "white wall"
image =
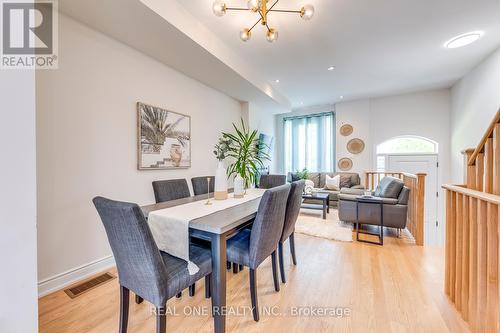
column 87, row 136
column 18, row 306
column 358, row 115
column 263, row 121
column 475, row 100
column 375, row 120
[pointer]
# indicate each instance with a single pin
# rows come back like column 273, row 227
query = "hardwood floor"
column 394, row 288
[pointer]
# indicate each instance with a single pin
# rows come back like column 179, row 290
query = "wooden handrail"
column 472, row 235
column 487, row 197
column 486, row 136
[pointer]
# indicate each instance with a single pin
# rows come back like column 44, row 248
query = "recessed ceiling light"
column 277, row 81
column 341, row 97
column 301, row 103
column 463, row 40
column 331, row 68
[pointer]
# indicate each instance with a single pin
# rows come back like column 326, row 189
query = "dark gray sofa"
column 395, row 196
column 349, row 180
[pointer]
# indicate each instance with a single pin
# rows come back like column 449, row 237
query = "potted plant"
column 247, row 154
column 221, row 151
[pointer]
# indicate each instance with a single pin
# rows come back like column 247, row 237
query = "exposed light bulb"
column 331, row 68
column 307, row 12
column 253, row 5
column 219, row 8
column 245, row 34
column 272, row 35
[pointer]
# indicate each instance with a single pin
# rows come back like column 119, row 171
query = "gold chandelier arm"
column 284, row 11
column 236, row 8
column 253, row 26
column 274, row 4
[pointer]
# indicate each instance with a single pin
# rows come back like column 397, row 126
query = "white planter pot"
column 239, row 186
column 220, row 186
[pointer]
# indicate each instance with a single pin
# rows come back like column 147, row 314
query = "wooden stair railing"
column 416, row 184
column 472, row 235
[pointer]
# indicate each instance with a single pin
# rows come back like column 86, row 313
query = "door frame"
column 438, row 198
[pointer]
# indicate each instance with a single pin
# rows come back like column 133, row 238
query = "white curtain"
column 309, row 143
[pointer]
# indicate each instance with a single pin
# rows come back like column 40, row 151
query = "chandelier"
column 263, row 9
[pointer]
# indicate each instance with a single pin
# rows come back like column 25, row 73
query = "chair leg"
column 192, row 289
column 253, row 294
column 179, row 295
column 275, row 271
column 241, row 267
column 292, row 248
column 235, row 268
column 280, row 258
column 161, row 319
column 208, row 279
column 124, row 305
column 228, row 265
column 138, row 299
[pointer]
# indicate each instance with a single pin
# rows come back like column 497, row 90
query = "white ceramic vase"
column 239, row 186
column 220, row 186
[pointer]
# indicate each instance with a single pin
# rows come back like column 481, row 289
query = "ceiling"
column 379, row 47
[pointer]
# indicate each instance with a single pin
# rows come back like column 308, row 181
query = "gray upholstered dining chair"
column 201, row 186
column 142, row 268
column 292, row 212
column 251, row 247
column 270, row 181
column 172, row 189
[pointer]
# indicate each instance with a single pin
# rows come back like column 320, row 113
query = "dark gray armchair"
column 395, row 204
column 251, row 247
column 151, row 274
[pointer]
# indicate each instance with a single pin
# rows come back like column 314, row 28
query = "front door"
column 423, row 164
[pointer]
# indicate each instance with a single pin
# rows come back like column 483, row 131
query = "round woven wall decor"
column 345, row 164
column 346, row 130
column 355, row 146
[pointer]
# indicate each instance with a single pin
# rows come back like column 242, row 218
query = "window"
column 403, row 145
column 407, row 145
column 309, row 142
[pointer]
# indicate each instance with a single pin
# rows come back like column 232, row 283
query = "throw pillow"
column 295, row 176
column 332, row 183
column 345, row 181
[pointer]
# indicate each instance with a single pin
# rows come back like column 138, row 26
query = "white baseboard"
column 59, row 281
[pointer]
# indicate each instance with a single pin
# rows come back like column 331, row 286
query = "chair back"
column 200, row 185
column 389, row 187
column 270, row 181
column 268, row 224
column 172, row 189
column 138, row 259
column 292, row 208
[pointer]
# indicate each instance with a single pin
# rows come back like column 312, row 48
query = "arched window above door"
column 408, row 145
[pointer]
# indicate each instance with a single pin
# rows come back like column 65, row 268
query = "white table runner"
column 170, row 226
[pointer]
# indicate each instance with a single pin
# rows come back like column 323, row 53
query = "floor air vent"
column 88, row 285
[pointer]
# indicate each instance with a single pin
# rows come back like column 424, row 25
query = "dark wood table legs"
column 219, row 281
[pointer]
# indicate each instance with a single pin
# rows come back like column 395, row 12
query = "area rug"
column 311, row 223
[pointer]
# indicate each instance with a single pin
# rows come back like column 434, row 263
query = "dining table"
column 217, row 226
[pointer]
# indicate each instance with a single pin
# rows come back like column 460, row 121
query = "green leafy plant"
column 222, row 148
column 247, row 153
column 304, row 174
column 156, row 129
